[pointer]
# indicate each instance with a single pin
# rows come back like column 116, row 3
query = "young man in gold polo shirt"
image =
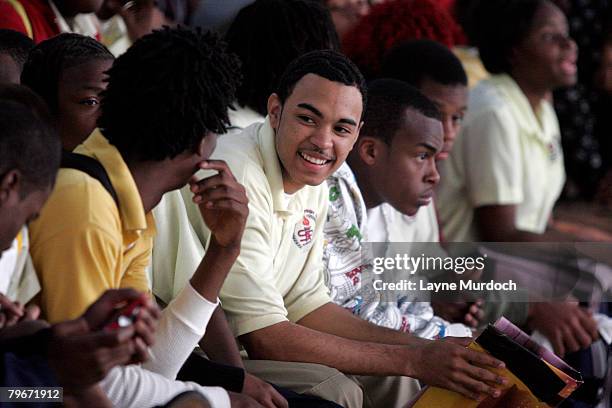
column 157, row 127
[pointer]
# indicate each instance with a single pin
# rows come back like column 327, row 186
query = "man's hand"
column 567, row 326
column 99, row 313
column 82, row 352
column 468, row 313
column 447, row 363
column 81, row 358
column 242, row 401
column 263, row 393
column 223, row 203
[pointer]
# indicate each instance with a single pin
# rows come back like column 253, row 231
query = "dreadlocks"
column 168, row 91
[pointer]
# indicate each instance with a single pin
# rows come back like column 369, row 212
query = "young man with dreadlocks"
column 14, row 49
column 67, row 71
column 166, row 99
column 275, row 296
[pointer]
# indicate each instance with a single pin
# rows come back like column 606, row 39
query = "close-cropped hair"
column 28, row 141
column 267, row 35
column 388, row 99
column 417, row 60
column 395, row 21
column 497, row 26
column 168, row 91
column 47, row 60
column 327, row 64
column 16, row 45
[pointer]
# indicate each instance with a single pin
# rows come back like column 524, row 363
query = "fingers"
column 10, row 309
column 32, row 312
column 114, row 338
column 99, row 312
column 141, row 351
column 483, row 359
column 279, row 400
column 476, row 388
column 222, row 192
column 228, row 205
column 144, row 327
column 463, row 391
column 557, row 342
column 589, row 324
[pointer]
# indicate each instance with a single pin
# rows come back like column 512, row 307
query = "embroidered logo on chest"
column 304, row 230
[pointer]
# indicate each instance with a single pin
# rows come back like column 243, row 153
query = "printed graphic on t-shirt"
column 303, row 233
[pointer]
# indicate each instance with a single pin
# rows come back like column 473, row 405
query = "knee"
column 340, row 389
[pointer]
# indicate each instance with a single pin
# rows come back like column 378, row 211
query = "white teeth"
column 312, row 159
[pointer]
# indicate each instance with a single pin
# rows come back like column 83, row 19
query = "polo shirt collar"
column 534, row 125
column 271, row 164
column 131, row 208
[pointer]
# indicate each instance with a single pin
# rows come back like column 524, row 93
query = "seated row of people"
column 253, row 225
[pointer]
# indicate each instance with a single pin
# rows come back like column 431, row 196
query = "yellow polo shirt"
column 279, row 273
column 83, row 244
column 505, row 155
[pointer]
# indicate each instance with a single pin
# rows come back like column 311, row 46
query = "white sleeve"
column 182, row 325
column 135, row 387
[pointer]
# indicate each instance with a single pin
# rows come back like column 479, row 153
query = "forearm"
column 335, row 320
column 134, row 387
column 212, row 271
column 219, row 343
column 292, row 342
column 182, row 325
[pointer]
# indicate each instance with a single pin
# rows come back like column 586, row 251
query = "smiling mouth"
column 313, row 160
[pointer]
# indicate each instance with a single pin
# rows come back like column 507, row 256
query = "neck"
column 368, row 192
column 151, row 182
column 534, row 92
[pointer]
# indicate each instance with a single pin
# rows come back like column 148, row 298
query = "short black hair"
column 387, row 101
column 267, row 35
column 47, row 60
column 168, row 91
column 497, row 27
column 16, row 45
column 28, row 141
column 417, row 60
column 327, row 64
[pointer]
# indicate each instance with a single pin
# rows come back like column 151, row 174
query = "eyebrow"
column 318, row 113
column 428, row 146
column 93, row 88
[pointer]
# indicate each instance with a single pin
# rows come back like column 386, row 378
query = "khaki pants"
column 350, row 391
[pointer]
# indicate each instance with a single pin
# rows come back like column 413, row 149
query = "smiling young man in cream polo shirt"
column 275, row 296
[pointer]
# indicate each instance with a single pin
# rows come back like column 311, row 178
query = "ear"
column 274, row 110
column 10, row 186
column 370, row 150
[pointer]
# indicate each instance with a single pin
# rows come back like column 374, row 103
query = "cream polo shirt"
column 505, row 155
column 279, row 273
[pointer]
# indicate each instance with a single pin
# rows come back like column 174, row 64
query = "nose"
column 432, row 176
column 322, row 138
column 450, row 131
